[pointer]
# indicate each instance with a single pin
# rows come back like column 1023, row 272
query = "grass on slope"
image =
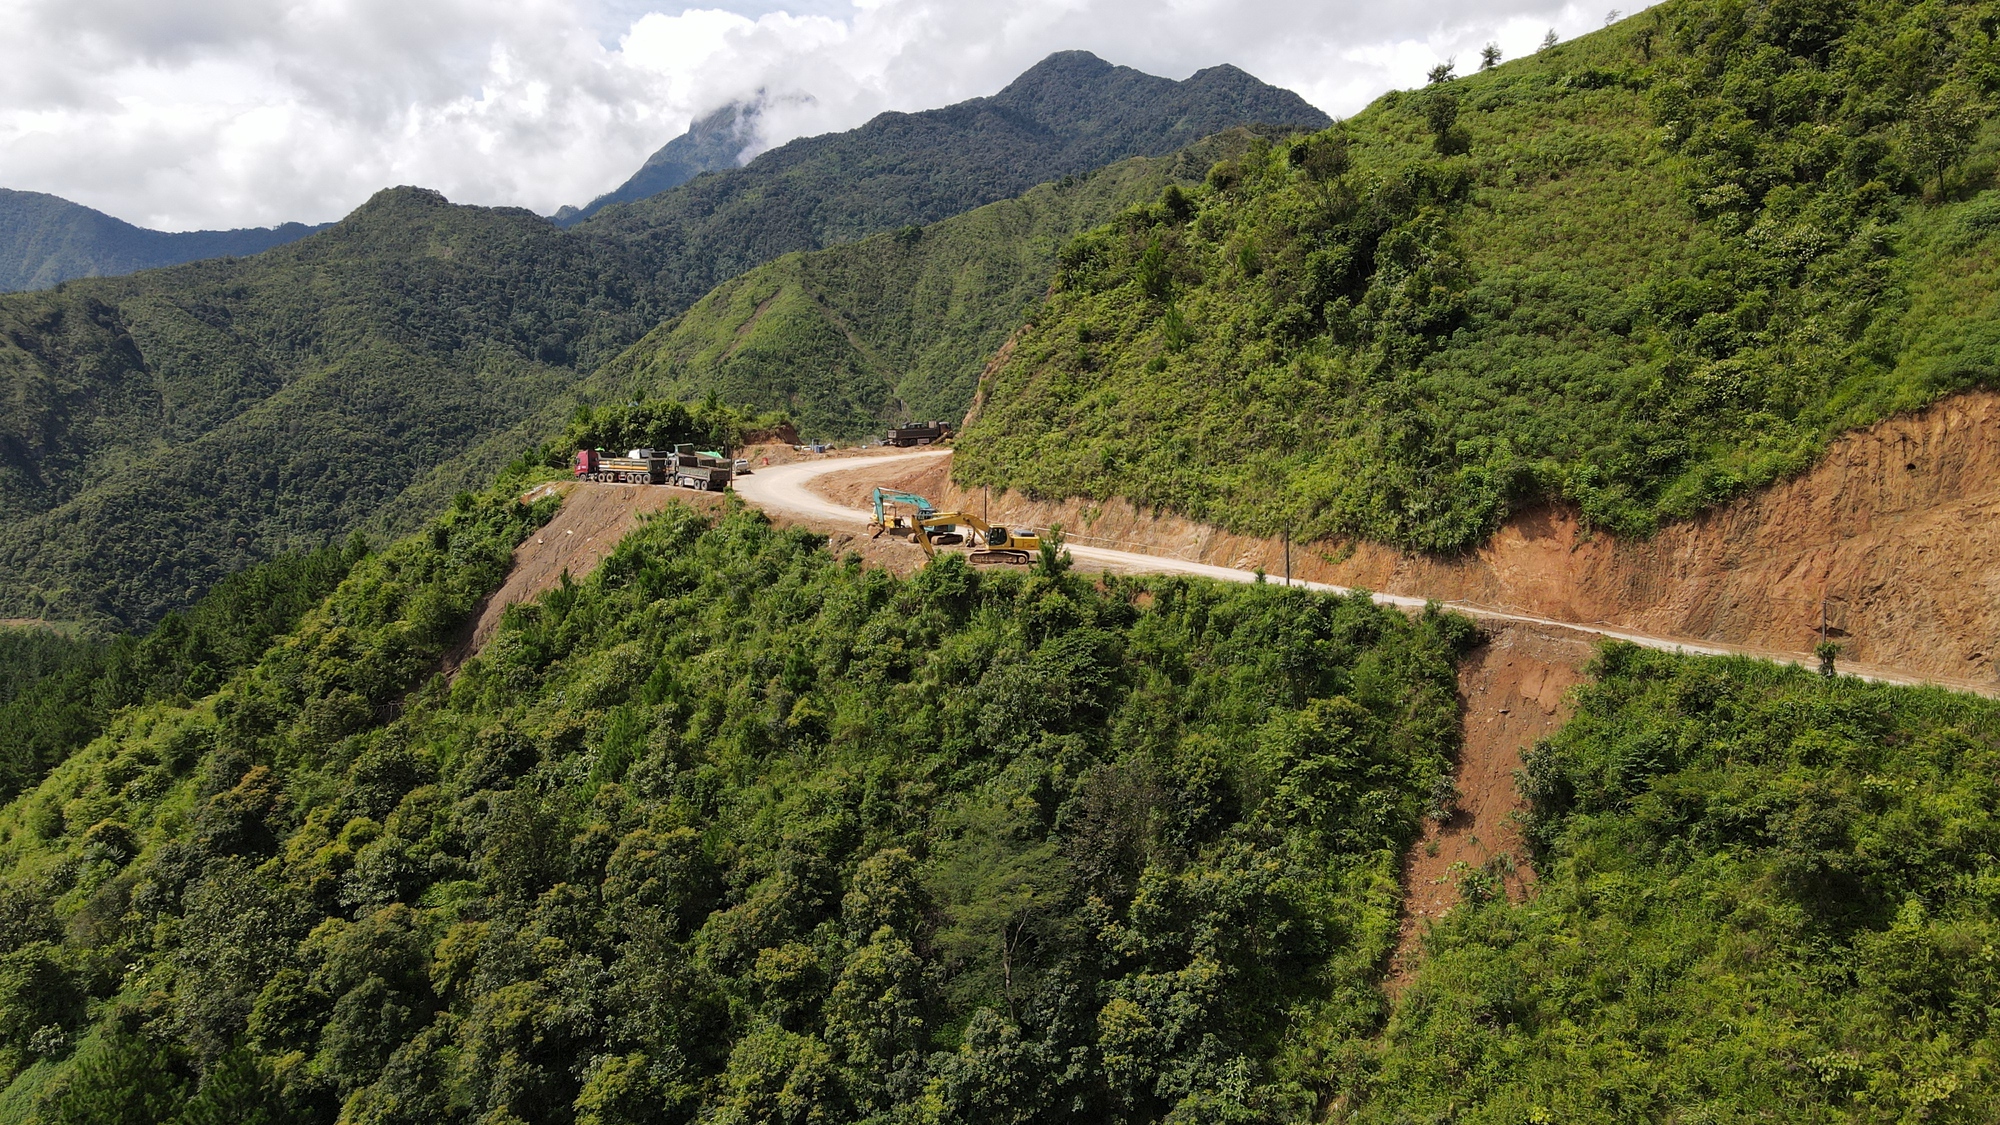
column 1762, row 896
column 1639, row 273
column 894, row 326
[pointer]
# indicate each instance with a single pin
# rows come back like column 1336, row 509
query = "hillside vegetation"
column 1763, row 896
column 895, row 326
column 46, row 240
column 58, row 692
column 164, row 430
column 1637, row 273
column 738, row 830
column 229, row 411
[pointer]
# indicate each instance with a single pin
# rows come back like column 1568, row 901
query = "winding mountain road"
column 785, row 489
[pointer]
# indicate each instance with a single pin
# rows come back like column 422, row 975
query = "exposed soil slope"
column 591, row 521
column 1895, row 530
column 1512, row 690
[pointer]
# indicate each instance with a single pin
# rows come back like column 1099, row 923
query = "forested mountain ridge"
column 1068, row 114
column 227, row 411
column 897, row 325
column 1637, row 273
column 161, row 430
column 338, row 874
column 45, row 239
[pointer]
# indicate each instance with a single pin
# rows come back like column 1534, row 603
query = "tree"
column 1441, row 115
column 236, row 1091
column 1550, row 39
column 1941, row 127
column 1489, row 56
column 128, row 1079
column 1442, row 72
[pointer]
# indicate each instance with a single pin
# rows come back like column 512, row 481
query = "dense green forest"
column 736, row 830
column 228, row 411
column 897, row 325
column 1639, row 272
column 58, row 692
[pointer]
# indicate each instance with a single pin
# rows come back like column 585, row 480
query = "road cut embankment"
column 1894, row 537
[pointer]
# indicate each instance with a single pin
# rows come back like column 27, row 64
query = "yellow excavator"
column 930, row 529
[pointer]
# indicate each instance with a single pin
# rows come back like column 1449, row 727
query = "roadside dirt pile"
column 1894, row 532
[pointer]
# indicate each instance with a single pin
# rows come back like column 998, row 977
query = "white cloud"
column 190, row 113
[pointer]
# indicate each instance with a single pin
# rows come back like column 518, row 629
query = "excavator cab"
column 1007, row 545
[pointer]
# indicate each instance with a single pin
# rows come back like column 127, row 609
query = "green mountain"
column 733, row 830
column 894, row 326
column 162, row 430
column 1639, row 273
column 45, row 240
column 710, row 144
column 166, row 429
column 1068, row 114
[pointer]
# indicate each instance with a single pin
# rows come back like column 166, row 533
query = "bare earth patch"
column 1512, row 690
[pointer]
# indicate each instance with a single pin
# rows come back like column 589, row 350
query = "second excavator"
column 924, row 525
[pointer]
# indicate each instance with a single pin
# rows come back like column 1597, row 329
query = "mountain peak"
column 710, row 144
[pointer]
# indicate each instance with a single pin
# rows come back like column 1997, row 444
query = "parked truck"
column 917, row 433
column 682, row 465
column 638, row 466
column 709, row 472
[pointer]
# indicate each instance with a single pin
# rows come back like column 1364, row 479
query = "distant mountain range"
column 224, row 411
column 45, row 240
column 1068, row 114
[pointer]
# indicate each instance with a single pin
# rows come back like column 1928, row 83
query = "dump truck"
column 917, row 433
column 690, row 468
column 638, row 466
column 682, row 465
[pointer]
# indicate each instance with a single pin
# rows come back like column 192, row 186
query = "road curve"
column 784, row 488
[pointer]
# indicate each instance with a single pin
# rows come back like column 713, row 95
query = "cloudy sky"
column 183, row 114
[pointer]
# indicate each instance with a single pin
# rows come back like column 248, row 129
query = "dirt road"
column 787, row 489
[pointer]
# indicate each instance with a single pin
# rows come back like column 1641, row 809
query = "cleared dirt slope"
column 1895, row 532
column 591, row 521
column 1512, row 690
